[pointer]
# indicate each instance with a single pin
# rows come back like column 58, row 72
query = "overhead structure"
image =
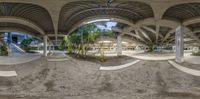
column 148, row 21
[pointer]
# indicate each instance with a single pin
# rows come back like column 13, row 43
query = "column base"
column 179, row 61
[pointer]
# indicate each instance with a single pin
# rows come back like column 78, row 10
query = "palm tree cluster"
column 81, row 39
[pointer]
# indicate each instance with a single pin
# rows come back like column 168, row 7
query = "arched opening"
column 97, row 39
column 73, row 12
column 188, row 14
column 28, row 12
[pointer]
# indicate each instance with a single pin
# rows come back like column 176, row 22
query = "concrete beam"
column 129, row 33
column 145, row 35
column 23, row 22
column 11, row 29
column 191, row 21
column 168, row 34
column 112, row 18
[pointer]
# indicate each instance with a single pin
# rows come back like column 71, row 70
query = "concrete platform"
column 153, row 56
column 119, row 66
column 77, row 79
column 18, row 58
column 185, row 69
column 192, row 59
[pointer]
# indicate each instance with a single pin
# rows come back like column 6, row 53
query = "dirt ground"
column 78, row 79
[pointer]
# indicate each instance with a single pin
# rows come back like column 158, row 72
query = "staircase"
column 16, row 49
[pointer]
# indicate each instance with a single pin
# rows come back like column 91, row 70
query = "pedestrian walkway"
column 119, row 66
column 18, row 58
column 57, row 56
column 185, row 69
column 57, row 59
column 153, row 56
column 192, row 59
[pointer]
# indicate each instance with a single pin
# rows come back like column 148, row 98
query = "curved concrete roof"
column 148, row 20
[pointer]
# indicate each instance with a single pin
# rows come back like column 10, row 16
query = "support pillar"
column 179, row 44
column 119, row 45
column 45, row 45
column 9, row 38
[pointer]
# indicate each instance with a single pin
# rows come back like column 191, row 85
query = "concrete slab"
column 119, row 66
column 192, row 59
column 17, row 58
column 184, row 69
column 8, row 73
column 152, row 56
column 57, row 59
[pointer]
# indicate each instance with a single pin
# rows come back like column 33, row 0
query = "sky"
column 108, row 24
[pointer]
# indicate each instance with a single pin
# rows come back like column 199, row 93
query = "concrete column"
column 179, row 44
column 119, row 45
column 45, row 45
column 9, row 38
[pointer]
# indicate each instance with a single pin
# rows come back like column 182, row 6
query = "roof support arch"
column 112, row 18
column 23, row 22
column 12, row 29
column 191, row 21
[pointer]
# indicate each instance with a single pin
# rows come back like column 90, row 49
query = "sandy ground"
column 76, row 79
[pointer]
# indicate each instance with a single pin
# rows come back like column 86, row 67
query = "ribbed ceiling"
column 183, row 11
column 18, row 26
column 34, row 13
column 74, row 12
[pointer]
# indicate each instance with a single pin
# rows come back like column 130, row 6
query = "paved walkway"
column 57, row 56
column 192, row 59
column 77, row 79
column 57, row 59
column 119, row 66
column 153, row 56
column 18, row 58
column 185, row 69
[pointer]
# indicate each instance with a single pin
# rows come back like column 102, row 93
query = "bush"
column 25, row 44
column 196, row 53
column 3, row 50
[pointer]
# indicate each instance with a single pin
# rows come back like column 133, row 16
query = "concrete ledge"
column 119, row 66
column 184, row 69
column 57, row 59
column 153, row 58
column 8, row 73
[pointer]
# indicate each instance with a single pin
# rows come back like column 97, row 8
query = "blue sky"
column 109, row 25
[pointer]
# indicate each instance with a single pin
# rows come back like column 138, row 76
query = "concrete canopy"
column 150, row 20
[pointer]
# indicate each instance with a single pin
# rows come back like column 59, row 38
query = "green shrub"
column 196, row 53
column 3, row 50
column 25, row 44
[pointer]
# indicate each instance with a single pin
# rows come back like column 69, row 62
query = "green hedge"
column 196, row 53
column 4, row 50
